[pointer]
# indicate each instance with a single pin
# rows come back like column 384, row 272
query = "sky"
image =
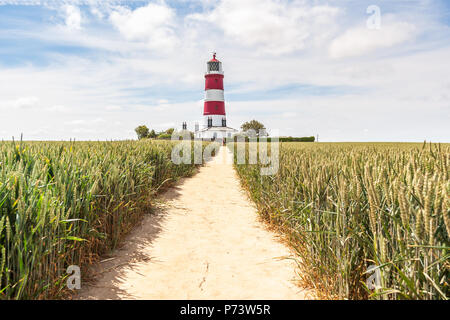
column 95, row 70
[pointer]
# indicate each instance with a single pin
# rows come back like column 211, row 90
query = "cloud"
column 76, row 122
column 85, row 131
column 113, row 108
column 165, row 125
column 97, row 12
column 58, row 108
column 362, row 40
column 153, row 24
column 85, row 122
column 275, row 27
column 288, row 114
column 72, row 17
column 26, row 102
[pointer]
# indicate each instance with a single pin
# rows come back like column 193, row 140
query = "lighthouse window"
column 213, row 66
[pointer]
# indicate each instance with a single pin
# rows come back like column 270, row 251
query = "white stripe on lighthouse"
column 216, row 120
column 214, row 95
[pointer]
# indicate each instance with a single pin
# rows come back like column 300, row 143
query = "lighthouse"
column 214, row 123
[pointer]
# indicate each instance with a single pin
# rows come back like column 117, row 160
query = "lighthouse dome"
column 214, row 66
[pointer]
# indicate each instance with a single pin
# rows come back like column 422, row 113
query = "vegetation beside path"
column 350, row 207
column 65, row 203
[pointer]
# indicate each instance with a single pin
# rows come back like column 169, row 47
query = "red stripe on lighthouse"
column 214, row 81
column 214, row 107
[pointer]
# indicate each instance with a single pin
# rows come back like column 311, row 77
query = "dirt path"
column 204, row 242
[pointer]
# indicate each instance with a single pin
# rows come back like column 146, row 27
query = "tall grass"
column 349, row 206
column 64, row 203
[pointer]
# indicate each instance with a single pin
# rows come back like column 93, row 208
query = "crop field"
column 352, row 210
column 65, row 203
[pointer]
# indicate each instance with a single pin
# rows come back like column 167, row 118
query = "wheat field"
column 350, row 207
column 345, row 208
column 65, row 203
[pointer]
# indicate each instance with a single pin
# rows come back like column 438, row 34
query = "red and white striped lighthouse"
column 214, row 108
column 214, row 124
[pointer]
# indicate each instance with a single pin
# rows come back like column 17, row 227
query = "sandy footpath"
column 204, row 241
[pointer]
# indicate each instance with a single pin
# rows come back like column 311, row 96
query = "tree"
column 170, row 131
column 152, row 134
column 253, row 125
column 142, row 132
column 164, row 136
column 297, row 139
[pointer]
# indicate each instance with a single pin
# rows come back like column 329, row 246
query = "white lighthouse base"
column 215, row 133
column 216, row 121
